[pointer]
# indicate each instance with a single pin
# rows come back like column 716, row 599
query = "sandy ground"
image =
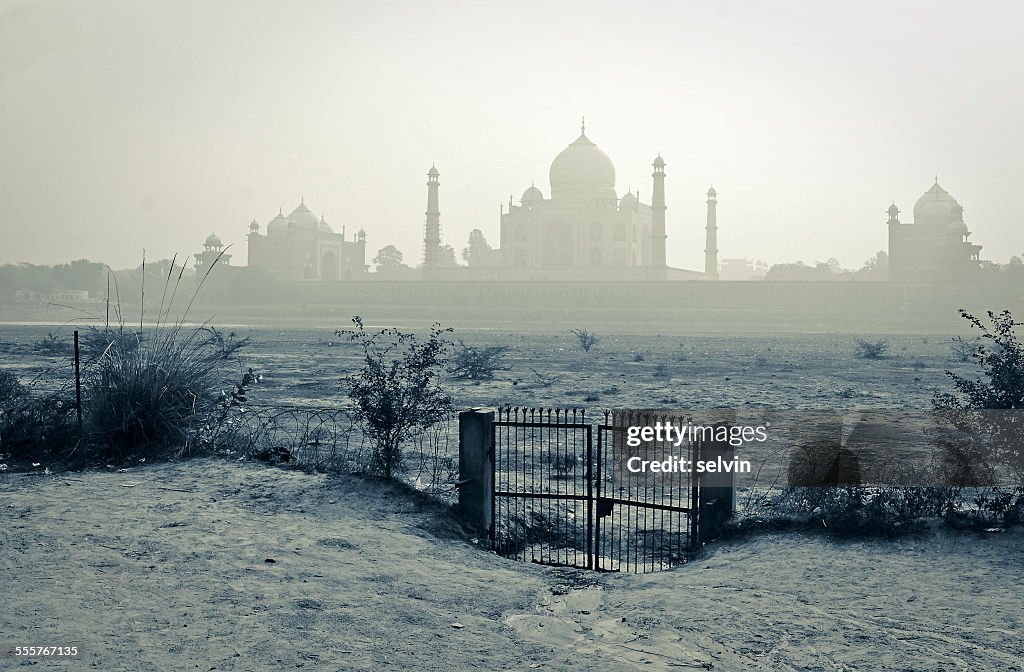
column 165, row 568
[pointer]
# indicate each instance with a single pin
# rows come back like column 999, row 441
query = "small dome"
column 893, row 210
column 580, row 170
column 628, row 200
column 433, row 172
column 659, row 162
column 711, row 192
column 278, row 224
column 324, row 226
column 213, row 241
column 958, row 229
column 532, row 195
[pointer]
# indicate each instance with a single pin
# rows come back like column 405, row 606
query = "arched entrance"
column 329, row 266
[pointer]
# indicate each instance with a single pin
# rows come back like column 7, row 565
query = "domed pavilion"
column 935, row 246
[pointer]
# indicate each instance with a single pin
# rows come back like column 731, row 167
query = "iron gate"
column 560, row 498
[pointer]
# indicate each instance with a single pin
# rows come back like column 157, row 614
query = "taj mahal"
column 584, row 230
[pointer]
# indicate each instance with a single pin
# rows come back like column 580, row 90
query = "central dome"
column 303, row 217
column 580, row 170
column 936, row 206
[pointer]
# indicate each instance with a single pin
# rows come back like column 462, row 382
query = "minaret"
column 658, row 214
column 895, row 242
column 432, row 231
column 711, row 242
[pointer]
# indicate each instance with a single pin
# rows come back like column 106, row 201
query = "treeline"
column 83, row 274
column 877, row 268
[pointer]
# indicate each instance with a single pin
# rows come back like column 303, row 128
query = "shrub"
column 396, row 392
column 862, row 511
column 158, row 390
column 477, row 363
column 35, row 428
column 53, row 345
column 1001, row 357
column 963, row 350
column 560, row 464
column 160, row 393
column 11, row 389
column 823, row 464
column 584, row 339
column 543, row 380
column 95, row 341
column 977, row 407
column 871, row 349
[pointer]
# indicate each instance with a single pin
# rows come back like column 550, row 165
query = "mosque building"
column 300, row 246
column 935, row 246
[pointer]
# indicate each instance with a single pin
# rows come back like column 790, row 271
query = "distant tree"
column 389, row 255
column 26, row 276
column 476, row 248
column 446, row 256
column 878, row 264
column 1015, row 269
column 799, row 271
column 80, row 274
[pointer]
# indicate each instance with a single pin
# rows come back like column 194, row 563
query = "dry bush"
column 871, row 349
column 823, row 464
column 963, row 349
column 584, row 339
column 35, row 427
column 53, row 346
column 477, row 362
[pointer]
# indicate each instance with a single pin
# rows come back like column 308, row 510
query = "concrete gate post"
column 717, row 501
column 476, row 487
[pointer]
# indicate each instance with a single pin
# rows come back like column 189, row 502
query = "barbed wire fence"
column 331, row 439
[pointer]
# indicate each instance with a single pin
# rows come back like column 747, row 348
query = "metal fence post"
column 476, row 472
column 78, row 384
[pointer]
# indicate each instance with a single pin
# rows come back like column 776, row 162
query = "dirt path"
column 164, row 568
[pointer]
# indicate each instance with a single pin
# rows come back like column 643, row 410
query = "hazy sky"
column 134, row 124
